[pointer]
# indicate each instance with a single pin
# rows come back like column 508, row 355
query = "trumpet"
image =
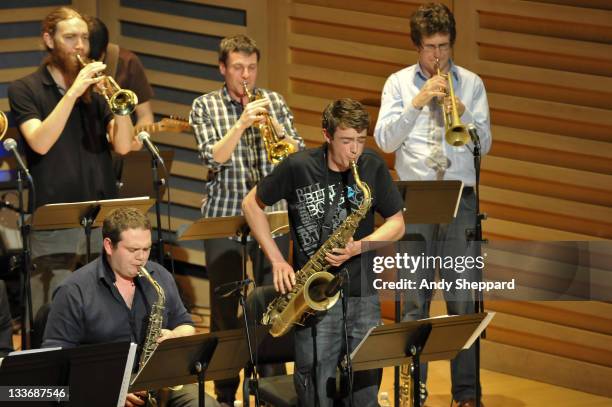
column 122, row 102
column 456, row 133
column 276, row 147
column 3, row 124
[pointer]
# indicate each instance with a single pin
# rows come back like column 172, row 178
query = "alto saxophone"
column 406, row 393
column 306, row 296
column 156, row 320
column 277, row 148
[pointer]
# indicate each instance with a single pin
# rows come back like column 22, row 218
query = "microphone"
column 336, row 284
column 145, row 139
column 11, row 145
column 225, row 290
column 473, row 133
column 322, row 292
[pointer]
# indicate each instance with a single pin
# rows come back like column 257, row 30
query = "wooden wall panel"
column 178, row 45
column 547, row 67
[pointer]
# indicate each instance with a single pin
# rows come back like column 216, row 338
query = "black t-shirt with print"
column 302, row 178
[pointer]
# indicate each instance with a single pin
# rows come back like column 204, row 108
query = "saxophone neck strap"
column 330, row 208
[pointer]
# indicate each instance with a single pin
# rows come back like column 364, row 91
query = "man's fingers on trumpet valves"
column 254, row 112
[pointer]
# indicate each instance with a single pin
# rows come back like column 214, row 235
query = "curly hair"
column 431, row 19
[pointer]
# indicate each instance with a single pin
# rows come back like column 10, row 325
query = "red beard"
column 69, row 66
column 66, row 63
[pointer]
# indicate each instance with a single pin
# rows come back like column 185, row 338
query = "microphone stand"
column 348, row 362
column 26, row 287
column 157, row 183
column 253, row 357
column 475, row 235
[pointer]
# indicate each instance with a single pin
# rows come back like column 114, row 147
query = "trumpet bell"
column 3, row 124
column 457, row 135
column 279, row 151
column 123, row 102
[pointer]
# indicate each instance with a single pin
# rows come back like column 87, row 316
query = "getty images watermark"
column 500, row 270
column 424, row 265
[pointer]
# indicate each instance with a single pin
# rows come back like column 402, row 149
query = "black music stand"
column 437, row 338
column 197, row 358
column 431, row 202
column 235, row 226
column 138, row 175
column 231, row 226
column 86, row 214
column 97, row 375
column 134, row 176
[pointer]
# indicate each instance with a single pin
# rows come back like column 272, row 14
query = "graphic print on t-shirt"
column 310, row 206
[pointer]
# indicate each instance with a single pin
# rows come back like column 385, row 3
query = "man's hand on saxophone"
column 136, row 399
column 181, row 330
column 342, row 254
column 283, row 276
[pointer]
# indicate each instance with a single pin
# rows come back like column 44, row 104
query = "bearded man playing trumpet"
column 69, row 132
column 229, row 127
column 412, row 124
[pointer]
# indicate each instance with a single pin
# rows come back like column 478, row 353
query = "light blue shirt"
column 417, row 135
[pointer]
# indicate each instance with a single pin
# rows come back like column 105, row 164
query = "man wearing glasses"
column 411, row 124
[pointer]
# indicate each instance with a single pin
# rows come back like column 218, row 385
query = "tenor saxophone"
column 305, row 298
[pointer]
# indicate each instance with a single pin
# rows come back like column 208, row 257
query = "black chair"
column 276, row 388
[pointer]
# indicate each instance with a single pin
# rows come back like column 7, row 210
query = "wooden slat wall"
column 547, row 67
column 548, row 72
column 178, row 42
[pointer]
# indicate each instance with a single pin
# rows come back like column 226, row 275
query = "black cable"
column 168, row 203
column 349, row 363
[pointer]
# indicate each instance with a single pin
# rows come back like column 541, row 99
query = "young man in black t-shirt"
column 316, row 182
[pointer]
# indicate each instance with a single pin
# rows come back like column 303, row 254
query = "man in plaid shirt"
column 230, row 144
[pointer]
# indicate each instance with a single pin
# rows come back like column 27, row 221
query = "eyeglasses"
column 441, row 47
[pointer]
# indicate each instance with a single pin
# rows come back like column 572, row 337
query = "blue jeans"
column 448, row 240
column 319, row 347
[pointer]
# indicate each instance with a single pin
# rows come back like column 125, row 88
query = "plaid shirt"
column 212, row 116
